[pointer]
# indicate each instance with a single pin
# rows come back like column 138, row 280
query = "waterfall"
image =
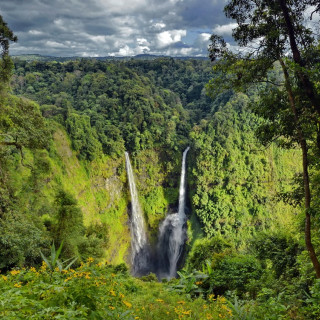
column 173, row 232
column 139, row 245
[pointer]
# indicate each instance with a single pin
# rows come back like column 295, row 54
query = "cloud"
column 35, row 32
column 108, row 27
column 169, row 37
column 224, row 30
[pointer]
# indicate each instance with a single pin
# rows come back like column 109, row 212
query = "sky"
column 92, row 28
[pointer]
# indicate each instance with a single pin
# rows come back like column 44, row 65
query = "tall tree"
column 6, row 35
column 270, row 31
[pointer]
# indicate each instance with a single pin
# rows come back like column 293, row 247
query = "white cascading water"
column 173, row 232
column 139, row 245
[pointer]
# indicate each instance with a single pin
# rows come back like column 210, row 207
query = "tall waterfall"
column 173, row 232
column 139, row 245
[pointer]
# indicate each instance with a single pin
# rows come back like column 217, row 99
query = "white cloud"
column 169, row 37
column 98, row 39
column 142, row 42
column 102, row 27
column 35, row 32
column 55, row 44
column 224, row 30
column 158, row 26
column 203, row 37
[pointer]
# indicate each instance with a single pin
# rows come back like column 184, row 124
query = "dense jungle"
column 251, row 121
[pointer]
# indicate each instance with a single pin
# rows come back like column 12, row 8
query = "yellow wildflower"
column 5, row 278
column 33, row 269
column 44, row 266
column 90, row 259
column 56, row 269
column 198, row 283
column 187, row 312
column 17, row 285
column 181, row 302
column 159, row 300
column 127, row 304
column 112, row 293
column 121, row 295
column 111, row 307
column 14, row 272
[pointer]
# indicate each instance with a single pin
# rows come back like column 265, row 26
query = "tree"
column 6, row 35
column 269, row 30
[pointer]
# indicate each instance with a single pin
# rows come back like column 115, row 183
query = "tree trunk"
column 306, row 180
column 303, row 77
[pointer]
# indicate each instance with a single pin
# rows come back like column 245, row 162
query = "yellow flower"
column 87, row 276
column 5, row 278
column 121, row 295
column 198, row 283
column 159, row 300
column 33, row 269
column 56, row 269
column 17, row 285
column 44, row 266
column 186, row 312
column 90, row 259
column 222, row 299
column 112, row 293
column 14, row 272
column 127, row 304
column 211, row 297
column 181, row 302
column 111, row 307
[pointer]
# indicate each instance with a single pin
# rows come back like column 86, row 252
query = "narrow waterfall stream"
column 140, row 255
column 173, row 232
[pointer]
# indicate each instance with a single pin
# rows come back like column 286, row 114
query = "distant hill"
column 38, row 57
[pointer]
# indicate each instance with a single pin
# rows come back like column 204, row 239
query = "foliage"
column 6, row 35
column 189, row 282
column 281, row 249
column 234, row 179
column 22, row 250
column 97, row 291
column 235, row 273
column 292, row 107
column 203, row 250
column 53, row 262
column 69, row 227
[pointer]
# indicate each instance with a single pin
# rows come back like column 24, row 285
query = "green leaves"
column 53, row 261
column 189, row 282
